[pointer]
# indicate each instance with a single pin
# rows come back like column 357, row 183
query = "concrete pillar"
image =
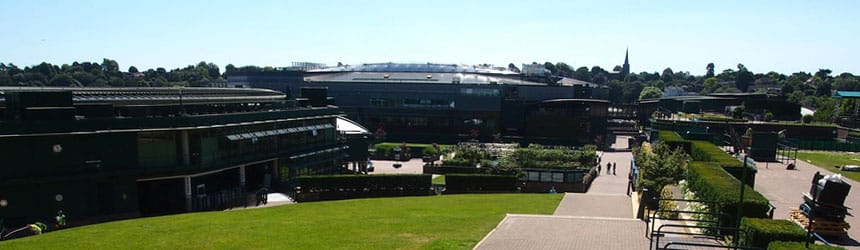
column 188, row 198
column 186, row 151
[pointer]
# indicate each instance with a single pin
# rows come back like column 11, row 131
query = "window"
column 479, row 92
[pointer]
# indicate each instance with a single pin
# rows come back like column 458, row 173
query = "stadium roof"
column 417, row 67
column 149, row 95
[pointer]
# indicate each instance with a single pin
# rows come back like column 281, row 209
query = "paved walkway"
column 784, row 189
column 565, row 232
column 603, row 218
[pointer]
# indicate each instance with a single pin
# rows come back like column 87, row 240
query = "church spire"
column 625, row 69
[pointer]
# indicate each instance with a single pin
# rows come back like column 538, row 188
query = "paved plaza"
column 784, row 189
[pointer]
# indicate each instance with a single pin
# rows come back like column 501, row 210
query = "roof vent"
column 429, row 77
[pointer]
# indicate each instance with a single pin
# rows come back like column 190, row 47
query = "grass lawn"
column 828, row 160
column 439, row 180
column 429, row 222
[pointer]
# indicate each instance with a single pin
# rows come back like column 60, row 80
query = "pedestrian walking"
column 629, row 182
column 613, row 168
column 608, row 167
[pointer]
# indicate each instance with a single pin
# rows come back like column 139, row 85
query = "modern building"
column 439, row 102
column 106, row 153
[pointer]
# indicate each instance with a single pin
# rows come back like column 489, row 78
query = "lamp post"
column 741, row 202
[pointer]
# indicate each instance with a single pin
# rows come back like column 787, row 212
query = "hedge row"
column 708, row 152
column 385, row 150
column 761, row 232
column 673, row 140
column 364, row 183
column 711, row 182
column 788, row 245
column 466, row 183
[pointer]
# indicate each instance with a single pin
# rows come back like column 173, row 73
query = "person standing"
column 613, row 168
column 608, row 168
column 61, row 219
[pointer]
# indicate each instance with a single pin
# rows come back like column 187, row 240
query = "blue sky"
column 782, row 36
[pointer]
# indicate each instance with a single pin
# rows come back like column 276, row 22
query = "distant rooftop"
column 416, row 67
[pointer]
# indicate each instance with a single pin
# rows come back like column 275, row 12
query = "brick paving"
column 600, row 219
column 784, row 189
column 595, row 205
column 565, row 232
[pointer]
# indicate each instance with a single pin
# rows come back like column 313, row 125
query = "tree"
column 668, row 75
column 513, row 67
column 599, row 75
column 132, row 69
column 659, row 165
column 110, row 66
column 710, row 86
column 62, row 80
column 582, row 74
column 650, row 92
column 709, row 70
column 229, row 69
column 551, row 67
column 564, row 69
column 744, row 78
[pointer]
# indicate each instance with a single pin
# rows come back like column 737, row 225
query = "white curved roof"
column 347, row 126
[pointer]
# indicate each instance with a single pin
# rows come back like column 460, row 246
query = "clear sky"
column 784, row 36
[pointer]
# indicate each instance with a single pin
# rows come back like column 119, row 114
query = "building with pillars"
column 107, row 153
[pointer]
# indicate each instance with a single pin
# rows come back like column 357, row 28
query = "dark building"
column 435, row 102
column 104, row 153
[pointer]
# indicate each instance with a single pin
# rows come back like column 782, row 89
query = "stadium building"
column 108, row 153
column 449, row 103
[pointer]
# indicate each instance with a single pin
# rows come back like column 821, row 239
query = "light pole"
column 741, row 202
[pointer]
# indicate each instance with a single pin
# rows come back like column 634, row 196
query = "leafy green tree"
column 132, row 69
column 668, row 75
column 62, row 80
column 710, row 86
column 709, row 70
column 564, row 69
column 744, row 78
column 848, row 83
column 582, row 74
column 551, row 67
column 650, row 92
column 659, row 165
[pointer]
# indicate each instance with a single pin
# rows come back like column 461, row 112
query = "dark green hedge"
column 465, row 183
column 761, row 232
column 386, row 150
column 364, row 183
column 711, row 182
column 708, row 152
column 788, row 245
column 673, row 140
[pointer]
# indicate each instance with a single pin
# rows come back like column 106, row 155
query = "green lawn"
column 439, row 180
column 429, row 222
column 828, row 160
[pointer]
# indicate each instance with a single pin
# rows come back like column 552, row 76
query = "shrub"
column 760, row 232
column 790, row 245
column 465, row 183
column 711, row 182
column 332, row 187
column 667, row 206
column 768, row 116
column 387, row 149
column 659, row 166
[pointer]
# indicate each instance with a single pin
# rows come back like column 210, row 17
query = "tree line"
column 108, row 74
